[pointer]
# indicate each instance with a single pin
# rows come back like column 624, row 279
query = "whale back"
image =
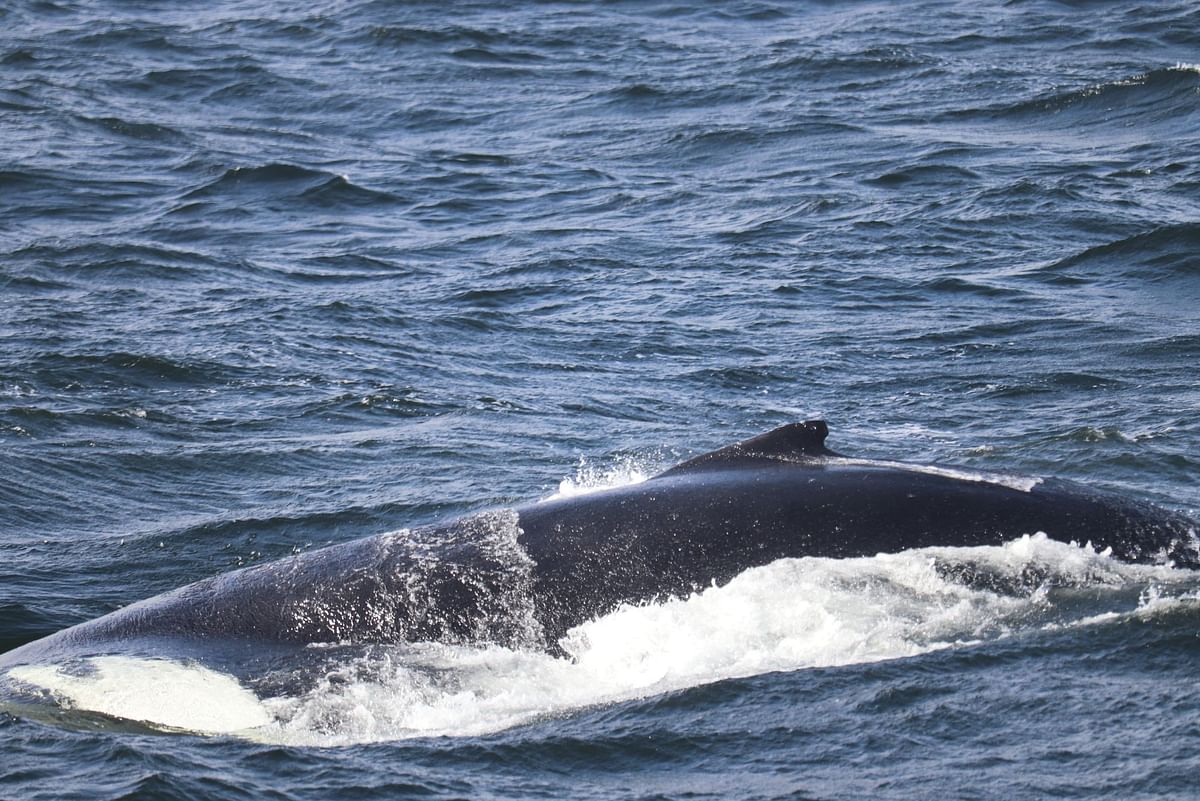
column 528, row 575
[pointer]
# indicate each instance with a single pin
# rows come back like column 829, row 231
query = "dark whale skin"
column 784, row 495
column 525, row 577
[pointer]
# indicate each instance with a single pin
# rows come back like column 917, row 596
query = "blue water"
column 277, row 275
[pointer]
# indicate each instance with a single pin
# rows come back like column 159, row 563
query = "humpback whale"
column 526, row 576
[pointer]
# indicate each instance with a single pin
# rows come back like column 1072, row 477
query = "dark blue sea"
column 275, row 275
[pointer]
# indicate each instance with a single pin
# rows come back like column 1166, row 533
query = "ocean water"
column 276, row 275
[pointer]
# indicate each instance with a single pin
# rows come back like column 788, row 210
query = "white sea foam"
column 591, row 477
column 789, row 615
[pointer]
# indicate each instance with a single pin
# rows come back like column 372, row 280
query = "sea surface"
column 275, row 275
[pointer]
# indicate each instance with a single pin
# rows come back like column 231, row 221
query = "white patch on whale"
column 158, row 692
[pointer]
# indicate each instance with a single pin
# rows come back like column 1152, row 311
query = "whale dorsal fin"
column 791, row 442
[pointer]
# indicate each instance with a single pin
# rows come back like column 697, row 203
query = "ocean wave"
column 798, row 59
column 224, row 80
column 276, row 182
column 140, row 131
column 1164, row 96
column 397, row 402
column 24, row 623
column 940, row 175
column 109, row 262
column 19, row 58
column 1166, row 252
column 484, row 55
column 961, row 285
column 41, row 421
column 59, row 370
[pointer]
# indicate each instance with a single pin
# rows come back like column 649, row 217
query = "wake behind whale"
column 552, row 578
